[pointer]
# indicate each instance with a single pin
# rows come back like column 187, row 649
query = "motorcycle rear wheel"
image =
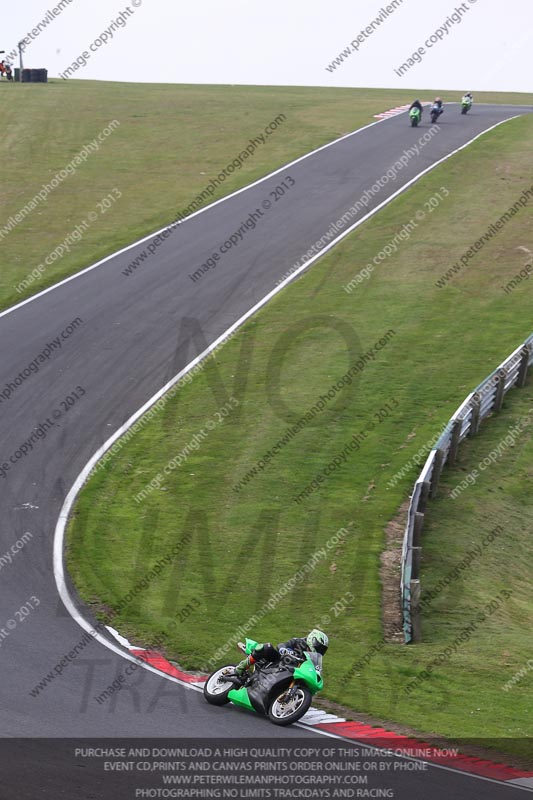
column 216, row 689
column 285, row 713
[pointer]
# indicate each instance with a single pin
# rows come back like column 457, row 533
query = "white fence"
column 486, row 399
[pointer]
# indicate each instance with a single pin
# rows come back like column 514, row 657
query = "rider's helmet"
column 317, row 641
column 438, row 100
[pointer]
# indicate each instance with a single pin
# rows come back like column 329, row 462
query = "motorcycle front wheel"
column 216, row 689
column 289, row 706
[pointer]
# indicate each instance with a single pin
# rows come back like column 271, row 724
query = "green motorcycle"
column 415, row 116
column 281, row 690
column 466, row 104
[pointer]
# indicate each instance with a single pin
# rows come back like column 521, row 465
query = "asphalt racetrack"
column 126, row 347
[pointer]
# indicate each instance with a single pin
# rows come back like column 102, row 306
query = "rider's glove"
column 286, row 651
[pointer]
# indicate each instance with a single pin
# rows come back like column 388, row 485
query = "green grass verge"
column 241, row 547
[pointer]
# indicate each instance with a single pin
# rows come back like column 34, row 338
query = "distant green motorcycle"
column 466, row 104
column 415, row 116
column 281, row 690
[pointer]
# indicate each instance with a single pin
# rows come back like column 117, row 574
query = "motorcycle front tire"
column 214, row 692
column 277, row 715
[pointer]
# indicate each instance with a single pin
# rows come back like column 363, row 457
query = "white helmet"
column 317, row 641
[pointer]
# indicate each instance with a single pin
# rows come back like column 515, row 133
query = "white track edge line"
column 59, row 533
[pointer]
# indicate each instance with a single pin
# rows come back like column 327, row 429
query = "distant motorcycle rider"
column 416, row 104
column 467, row 99
column 314, row 642
column 436, row 109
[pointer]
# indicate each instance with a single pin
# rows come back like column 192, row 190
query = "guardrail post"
column 415, row 565
column 523, row 368
column 500, row 390
column 416, row 617
column 424, row 495
column 454, row 443
column 476, row 409
column 406, row 614
column 417, row 529
column 437, row 469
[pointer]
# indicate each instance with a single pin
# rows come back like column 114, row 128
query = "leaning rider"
column 315, row 642
column 467, row 98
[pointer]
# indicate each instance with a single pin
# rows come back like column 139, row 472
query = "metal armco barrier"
column 486, row 399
